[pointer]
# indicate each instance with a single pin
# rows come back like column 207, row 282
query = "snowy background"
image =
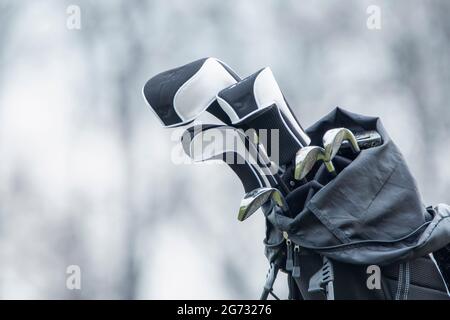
column 86, row 171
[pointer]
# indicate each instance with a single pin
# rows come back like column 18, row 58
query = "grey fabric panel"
column 423, row 273
column 350, row 281
column 423, row 293
column 373, row 198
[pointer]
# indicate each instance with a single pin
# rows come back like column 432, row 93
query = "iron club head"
column 306, row 158
column 254, row 199
column 332, row 141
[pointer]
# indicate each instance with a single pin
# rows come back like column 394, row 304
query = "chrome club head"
column 254, row 199
column 306, row 158
column 332, row 141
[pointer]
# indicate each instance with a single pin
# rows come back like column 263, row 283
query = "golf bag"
column 364, row 234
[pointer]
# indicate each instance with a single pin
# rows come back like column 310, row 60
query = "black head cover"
column 257, row 102
column 179, row 95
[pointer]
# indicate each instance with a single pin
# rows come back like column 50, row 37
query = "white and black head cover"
column 179, row 95
column 257, row 102
column 231, row 145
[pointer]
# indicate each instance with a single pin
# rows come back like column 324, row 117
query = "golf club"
column 366, row 139
column 254, row 199
column 332, row 141
column 251, row 133
column 306, row 158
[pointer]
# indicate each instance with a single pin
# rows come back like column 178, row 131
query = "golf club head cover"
column 198, row 144
column 257, row 102
column 179, row 95
column 191, row 132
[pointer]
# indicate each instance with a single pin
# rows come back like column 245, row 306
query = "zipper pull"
column 296, row 262
column 289, row 260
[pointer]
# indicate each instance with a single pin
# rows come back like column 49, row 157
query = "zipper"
column 289, row 258
column 292, row 256
column 296, row 267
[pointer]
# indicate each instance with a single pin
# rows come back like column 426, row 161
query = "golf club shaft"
column 262, row 151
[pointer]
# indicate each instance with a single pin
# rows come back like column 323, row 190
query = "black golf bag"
column 363, row 234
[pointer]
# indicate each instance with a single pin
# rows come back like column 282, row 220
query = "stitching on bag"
column 346, row 246
column 407, row 281
column 382, row 186
column 340, row 234
column 428, row 235
column 363, row 243
column 402, row 187
column 383, row 183
column 399, row 281
column 335, row 230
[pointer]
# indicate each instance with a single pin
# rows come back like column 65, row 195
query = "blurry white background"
column 86, row 176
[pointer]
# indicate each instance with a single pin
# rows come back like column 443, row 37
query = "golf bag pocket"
column 417, row 279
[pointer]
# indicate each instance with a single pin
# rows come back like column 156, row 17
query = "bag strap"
column 294, row 291
column 270, row 280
